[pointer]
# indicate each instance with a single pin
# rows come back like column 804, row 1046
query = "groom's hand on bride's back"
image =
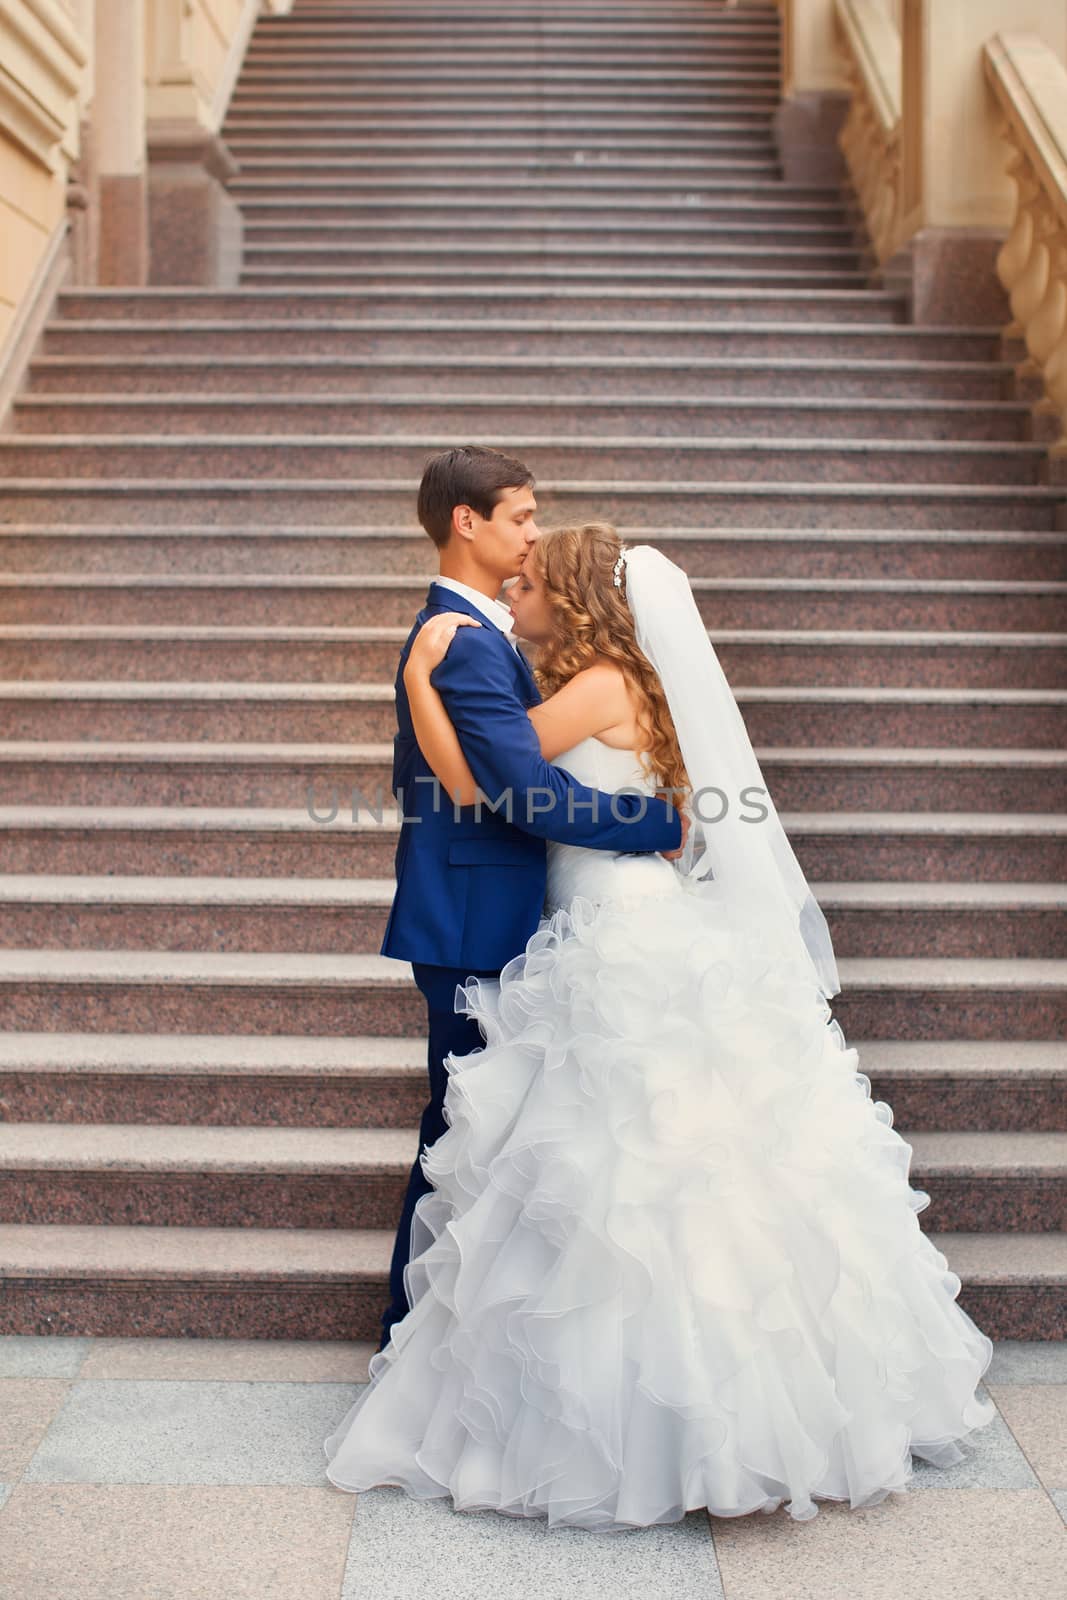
column 672, row 855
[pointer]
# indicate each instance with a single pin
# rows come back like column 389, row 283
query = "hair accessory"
column 616, row 571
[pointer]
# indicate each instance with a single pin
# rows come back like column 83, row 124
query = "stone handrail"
column 1030, row 84
column 871, row 137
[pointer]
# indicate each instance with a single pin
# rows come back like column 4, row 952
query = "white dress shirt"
column 493, row 610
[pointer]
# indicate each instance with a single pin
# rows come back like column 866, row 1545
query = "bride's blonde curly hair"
column 591, row 621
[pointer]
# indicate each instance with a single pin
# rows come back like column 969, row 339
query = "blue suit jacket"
column 470, row 883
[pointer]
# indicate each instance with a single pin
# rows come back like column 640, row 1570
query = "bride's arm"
column 436, row 736
column 594, row 701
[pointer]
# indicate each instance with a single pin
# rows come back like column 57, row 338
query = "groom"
column 470, row 882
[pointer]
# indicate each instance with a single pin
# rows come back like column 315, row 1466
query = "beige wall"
column 958, row 155
column 193, row 52
column 43, row 63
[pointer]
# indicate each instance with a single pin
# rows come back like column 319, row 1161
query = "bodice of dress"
column 601, row 875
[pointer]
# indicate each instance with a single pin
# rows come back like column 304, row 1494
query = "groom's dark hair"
column 467, row 475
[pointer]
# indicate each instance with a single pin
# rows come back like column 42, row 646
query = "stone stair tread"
column 368, row 535
column 913, row 332
column 160, row 1147
column 301, row 1055
column 166, row 400
column 782, row 445
column 129, row 890
column 880, row 894
column 1021, row 1058
column 412, row 541
column 250, row 756
column 121, row 487
column 999, row 1154
column 387, row 361
column 236, row 819
column 135, row 690
column 141, row 889
column 418, row 582
column 219, row 752
column 156, row 1147
column 1004, row 823
column 291, row 1055
column 261, row 969
column 80, row 1251
column 321, row 632
column 1006, row 1258
column 321, row 970
column 262, row 267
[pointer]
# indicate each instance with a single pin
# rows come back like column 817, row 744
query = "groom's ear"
column 462, row 525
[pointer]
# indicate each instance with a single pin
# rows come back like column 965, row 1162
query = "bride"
column 671, row 1257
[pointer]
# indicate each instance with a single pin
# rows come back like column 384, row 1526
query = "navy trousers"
column 448, row 1031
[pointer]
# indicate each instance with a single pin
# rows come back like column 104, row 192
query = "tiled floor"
column 192, row 1470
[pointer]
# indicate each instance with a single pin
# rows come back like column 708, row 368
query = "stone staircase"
column 561, row 229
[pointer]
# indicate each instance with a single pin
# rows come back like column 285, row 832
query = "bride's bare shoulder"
column 602, row 672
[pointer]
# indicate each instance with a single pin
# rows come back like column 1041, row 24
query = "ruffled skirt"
column 672, row 1257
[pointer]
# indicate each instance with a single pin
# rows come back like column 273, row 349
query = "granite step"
column 300, row 1081
column 302, row 308
column 720, row 552
column 707, row 58
column 299, row 266
column 947, row 605
column 151, row 1174
column 581, row 415
column 272, row 712
column 100, row 772
column 465, row 40
column 332, row 832
column 467, row 47
column 555, row 262
column 301, row 50
column 43, row 910
column 377, row 502
column 744, row 126
column 763, row 658
column 712, row 192
column 703, row 132
column 259, row 158
column 624, row 17
column 274, row 269
column 165, row 1175
column 513, row 139
column 551, row 233
column 330, row 1283
column 500, row 338
column 738, row 378
column 603, row 103
column 666, row 89
column 633, row 458
column 421, row 27
column 254, row 1080
column 410, row 71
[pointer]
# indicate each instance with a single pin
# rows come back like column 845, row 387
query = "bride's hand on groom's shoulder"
column 433, row 639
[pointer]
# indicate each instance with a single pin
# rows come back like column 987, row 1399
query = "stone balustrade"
column 1030, row 85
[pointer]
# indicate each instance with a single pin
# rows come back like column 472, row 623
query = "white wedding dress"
column 671, row 1258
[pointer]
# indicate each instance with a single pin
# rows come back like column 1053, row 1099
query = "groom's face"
column 502, row 540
